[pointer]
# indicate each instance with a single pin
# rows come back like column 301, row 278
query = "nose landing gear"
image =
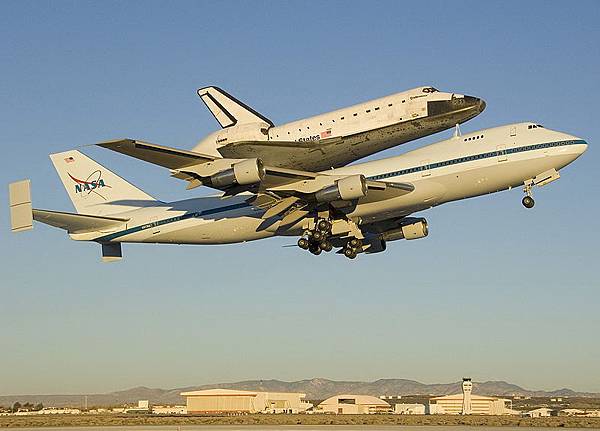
column 528, row 201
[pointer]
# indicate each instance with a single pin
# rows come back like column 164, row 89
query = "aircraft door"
column 425, row 172
column 155, row 226
column 501, row 152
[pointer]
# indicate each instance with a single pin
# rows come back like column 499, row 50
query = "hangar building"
column 467, row 404
column 233, row 401
column 353, row 405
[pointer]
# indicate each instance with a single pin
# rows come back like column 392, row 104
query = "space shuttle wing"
column 309, row 155
column 167, row 157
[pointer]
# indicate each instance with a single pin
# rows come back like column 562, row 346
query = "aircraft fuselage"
column 337, row 138
column 462, row 167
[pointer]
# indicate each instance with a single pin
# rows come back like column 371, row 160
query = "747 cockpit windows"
column 535, row 126
column 430, row 90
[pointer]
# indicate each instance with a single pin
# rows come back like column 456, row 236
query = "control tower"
column 467, row 388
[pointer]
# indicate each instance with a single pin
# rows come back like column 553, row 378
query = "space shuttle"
column 333, row 139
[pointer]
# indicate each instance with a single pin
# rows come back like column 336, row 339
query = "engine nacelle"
column 411, row 228
column 246, row 172
column 346, row 189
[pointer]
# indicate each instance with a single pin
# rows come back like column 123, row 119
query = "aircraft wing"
column 312, row 155
column 160, row 155
column 292, row 195
column 278, row 190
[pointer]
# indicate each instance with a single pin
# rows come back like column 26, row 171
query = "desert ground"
column 301, row 419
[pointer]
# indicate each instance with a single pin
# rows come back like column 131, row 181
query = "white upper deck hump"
column 228, row 110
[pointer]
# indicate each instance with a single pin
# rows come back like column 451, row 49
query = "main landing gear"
column 352, row 247
column 320, row 239
column 528, row 201
column 317, row 240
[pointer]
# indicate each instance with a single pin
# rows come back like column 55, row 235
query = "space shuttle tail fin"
column 228, row 110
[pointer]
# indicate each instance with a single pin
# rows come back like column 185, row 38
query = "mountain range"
column 315, row 389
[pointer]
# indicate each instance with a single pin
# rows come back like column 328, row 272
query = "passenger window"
column 355, row 114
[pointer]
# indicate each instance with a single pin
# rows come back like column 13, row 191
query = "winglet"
column 21, row 213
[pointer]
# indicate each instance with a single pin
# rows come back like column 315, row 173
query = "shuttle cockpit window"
column 430, row 90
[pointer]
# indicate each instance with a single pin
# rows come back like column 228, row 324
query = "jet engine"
column 411, row 228
column 346, row 189
column 246, row 172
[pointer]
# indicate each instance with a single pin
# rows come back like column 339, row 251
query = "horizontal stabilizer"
column 167, row 157
column 78, row 223
column 20, row 205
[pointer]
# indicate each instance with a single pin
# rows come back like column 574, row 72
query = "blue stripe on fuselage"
column 186, row 216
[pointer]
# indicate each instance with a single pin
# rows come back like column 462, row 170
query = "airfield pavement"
column 301, row 419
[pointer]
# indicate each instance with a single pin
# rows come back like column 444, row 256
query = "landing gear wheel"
column 355, row 243
column 314, row 249
column 303, row 243
column 317, row 236
column 326, row 246
column 349, row 253
column 324, row 225
column 528, row 202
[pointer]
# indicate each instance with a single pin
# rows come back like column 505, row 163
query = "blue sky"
column 495, row 291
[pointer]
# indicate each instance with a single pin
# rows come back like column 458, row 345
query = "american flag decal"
column 326, row 133
column 69, row 160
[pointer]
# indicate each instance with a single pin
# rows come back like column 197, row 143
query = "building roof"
column 233, row 393
column 359, row 399
column 218, row 392
column 541, row 409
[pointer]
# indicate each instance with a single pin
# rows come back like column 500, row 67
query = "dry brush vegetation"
column 303, row 419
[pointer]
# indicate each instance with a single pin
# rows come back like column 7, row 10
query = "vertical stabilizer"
column 95, row 190
column 227, row 110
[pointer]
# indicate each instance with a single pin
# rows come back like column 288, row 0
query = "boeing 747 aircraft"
column 335, row 138
column 358, row 209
